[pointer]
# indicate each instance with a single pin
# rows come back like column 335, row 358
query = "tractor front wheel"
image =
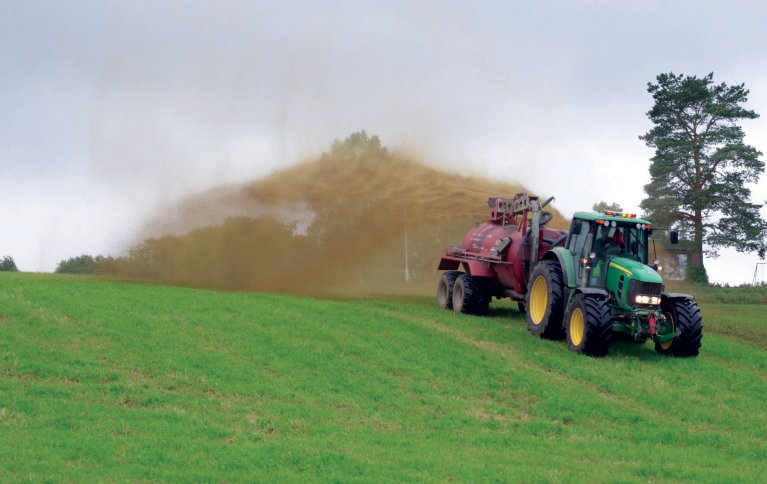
column 684, row 316
column 469, row 295
column 545, row 302
column 589, row 326
column 445, row 289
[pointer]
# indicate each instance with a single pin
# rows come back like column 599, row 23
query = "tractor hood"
column 634, row 270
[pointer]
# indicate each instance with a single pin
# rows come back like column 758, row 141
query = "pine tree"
column 701, row 168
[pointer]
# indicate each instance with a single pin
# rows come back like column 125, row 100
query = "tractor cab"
column 611, row 239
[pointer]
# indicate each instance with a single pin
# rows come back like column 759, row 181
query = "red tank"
column 500, row 252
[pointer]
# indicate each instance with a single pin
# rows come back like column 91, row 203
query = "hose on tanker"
column 558, row 240
column 545, row 218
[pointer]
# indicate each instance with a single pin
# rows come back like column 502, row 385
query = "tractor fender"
column 592, row 292
column 675, row 295
column 566, row 261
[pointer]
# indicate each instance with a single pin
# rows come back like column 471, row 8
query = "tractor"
column 587, row 285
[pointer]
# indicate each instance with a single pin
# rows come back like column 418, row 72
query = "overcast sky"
column 109, row 108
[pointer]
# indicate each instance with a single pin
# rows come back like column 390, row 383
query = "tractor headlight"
column 641, row 299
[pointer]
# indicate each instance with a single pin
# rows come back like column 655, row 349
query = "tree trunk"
column 697, row 255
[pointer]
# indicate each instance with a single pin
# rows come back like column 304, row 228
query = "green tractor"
column 601, row 283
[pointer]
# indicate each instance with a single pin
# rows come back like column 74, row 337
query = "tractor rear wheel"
column 445, row 289
column 685, row 317
column 589, row 326
column 545, row 302
column 470, row 295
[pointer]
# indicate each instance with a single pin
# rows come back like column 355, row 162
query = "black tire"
column 521, row 307
column 445, row 289
column 589, row 326
column 685, row 317
column 546, row 290
column 470, row 296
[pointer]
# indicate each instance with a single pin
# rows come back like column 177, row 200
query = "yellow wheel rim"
column 577, row 326
column 539, row 299
column 666, row 345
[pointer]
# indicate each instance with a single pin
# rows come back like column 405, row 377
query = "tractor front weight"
column 643, row 324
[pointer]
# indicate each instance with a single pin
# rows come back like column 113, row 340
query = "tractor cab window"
column 610, row 241
column 636, row 244
column 607, row 242
column 577, row 241
column 621, row 241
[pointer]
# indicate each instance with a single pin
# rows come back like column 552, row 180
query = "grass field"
column 116, row 381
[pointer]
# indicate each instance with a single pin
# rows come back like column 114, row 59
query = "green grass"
column 745, row 294
column 113, row 381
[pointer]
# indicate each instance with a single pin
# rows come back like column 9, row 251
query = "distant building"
column 675, row 258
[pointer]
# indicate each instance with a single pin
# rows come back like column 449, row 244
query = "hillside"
column 134, row 382
column 335, row 225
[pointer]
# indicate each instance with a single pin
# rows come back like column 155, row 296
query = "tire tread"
column 476, row 299
column 551, row 327
column 599, row 327
column 447, row 278
column 689, row 322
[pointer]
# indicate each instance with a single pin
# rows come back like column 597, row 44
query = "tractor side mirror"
column 674, row 236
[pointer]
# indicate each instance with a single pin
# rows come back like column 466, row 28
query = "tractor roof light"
column 610, row 213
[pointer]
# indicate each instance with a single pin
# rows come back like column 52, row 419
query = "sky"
column 110, row 109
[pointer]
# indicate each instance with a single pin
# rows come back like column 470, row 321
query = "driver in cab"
column 610, row 243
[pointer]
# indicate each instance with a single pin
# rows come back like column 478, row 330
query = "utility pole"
column 407, row 265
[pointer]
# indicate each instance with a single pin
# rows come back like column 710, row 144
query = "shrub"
column 84, row 264
column 697, row 275
column 7, row 264
column 359, row 146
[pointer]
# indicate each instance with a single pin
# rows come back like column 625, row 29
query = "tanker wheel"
column 545, row 300
column 685, row 317
column 445, row 289
column 589, row 326
column 470, row 295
